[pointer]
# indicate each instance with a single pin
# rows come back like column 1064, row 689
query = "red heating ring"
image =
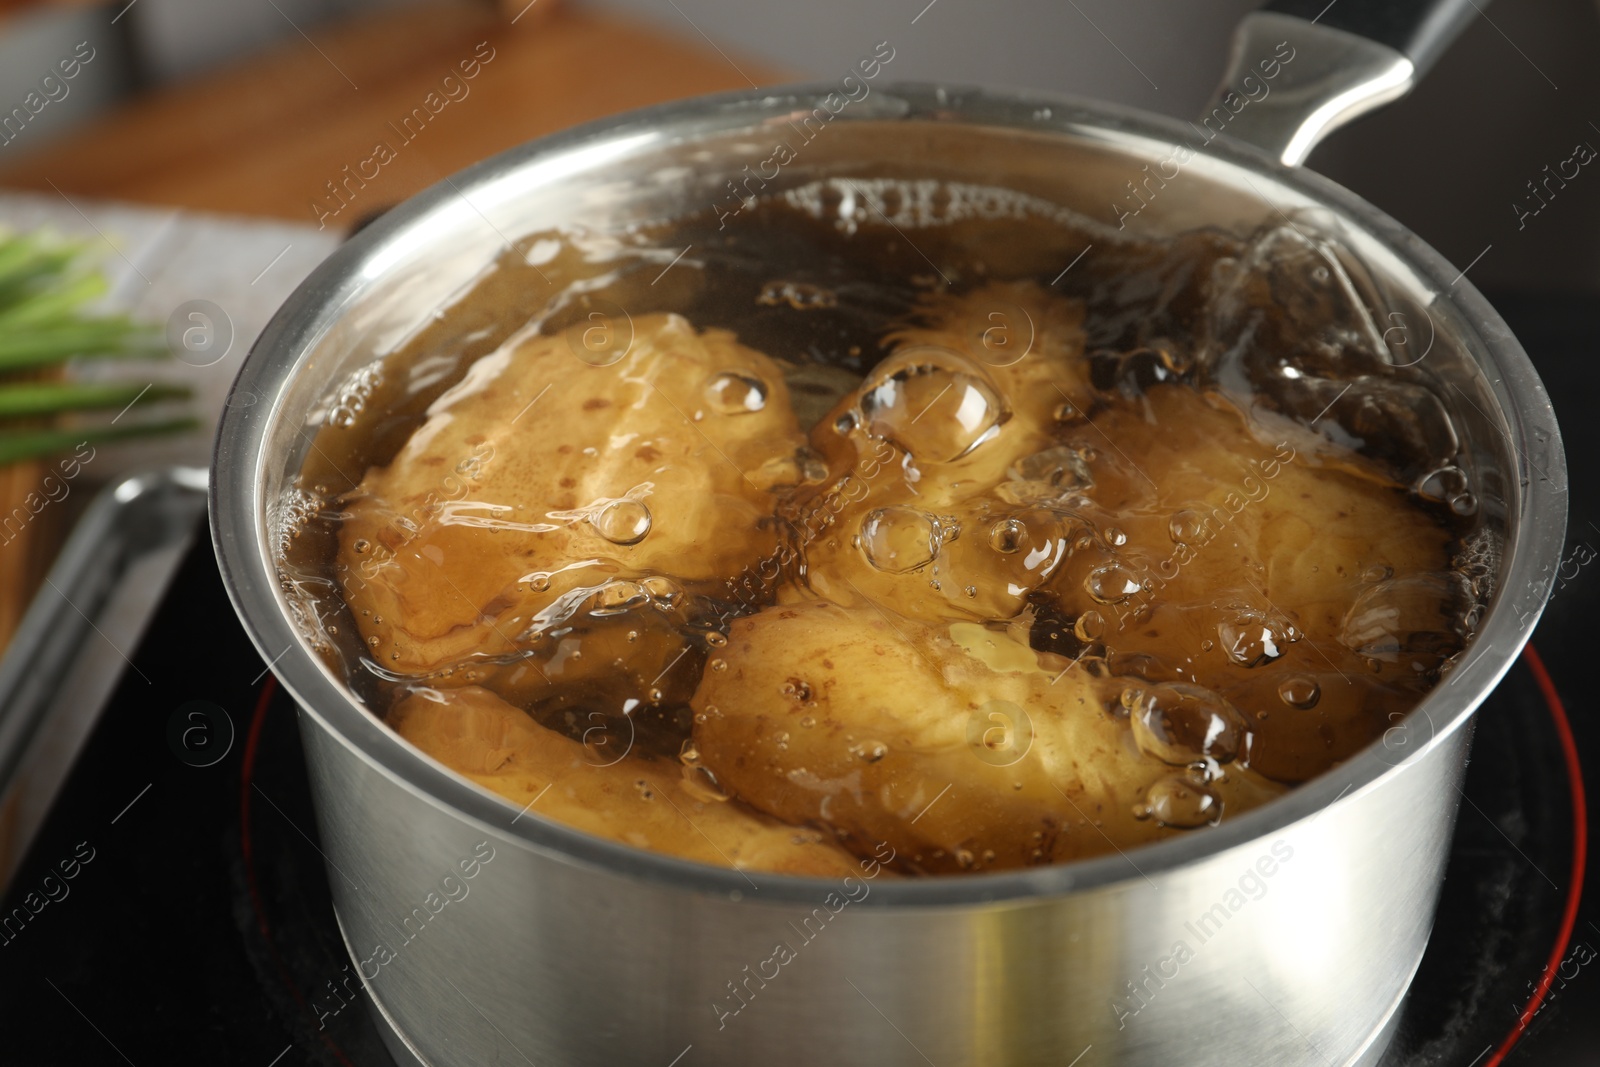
column 1580, row 846
column 1547, row 688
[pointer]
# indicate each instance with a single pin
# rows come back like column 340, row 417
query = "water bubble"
column 1111, row 583
column 1067, row 411
column 715, row 639
column 1180, row 802
column 1251, row 640
column 1090, row 626
column 807, row 721
column 1115, row 537
column 899, row 539
column 623, row 522
column 643, row 786
column 869, row 751
column 362, row 544
column 1188, row 527
column 736, row 394
column 1008, row 535
column 1300, row 692
column 719, row 664
column 846, row 424
column 1182, row 724
column 1377, row 573
column 934, row 404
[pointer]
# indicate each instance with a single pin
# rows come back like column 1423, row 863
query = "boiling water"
column 1109, row 551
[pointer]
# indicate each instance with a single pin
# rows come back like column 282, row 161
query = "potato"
column 595, row 789
column 953, row 744
column 543, row 488
column 923, row 461
column 1311, row 593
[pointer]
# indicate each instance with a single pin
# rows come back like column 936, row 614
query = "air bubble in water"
column 1251, row 640
column 1182, row 724
column 1178, row 801
column 1187, row 527
column 1008, row 535
column 933, row 403
column 623, row 522
column 1300, row 692
column 1111, row 583
column 898, row 539
column 736, row 394
column 869, row 751
column 1091, row 626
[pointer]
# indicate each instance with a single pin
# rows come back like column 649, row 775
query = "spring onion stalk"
column 43, row 323
column 32, row 399
column 17, row 445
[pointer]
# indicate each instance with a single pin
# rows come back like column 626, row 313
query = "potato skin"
column 900, row 453
column 488, row 523
column 1231, row 527
column 881, row 729
column 591, row 788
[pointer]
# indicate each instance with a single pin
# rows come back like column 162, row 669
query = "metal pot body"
column 1295, row 947
column 486, row 935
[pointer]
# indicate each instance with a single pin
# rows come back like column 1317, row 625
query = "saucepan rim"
column 1536, row 503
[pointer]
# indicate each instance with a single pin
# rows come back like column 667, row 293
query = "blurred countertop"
column 266, row 136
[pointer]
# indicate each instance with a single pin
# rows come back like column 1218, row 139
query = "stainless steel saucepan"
column 1285, row 935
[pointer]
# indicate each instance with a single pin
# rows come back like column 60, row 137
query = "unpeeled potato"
column 1242, row 559
column 953, row 744
column 591, row 787
column 925, row 461
column 542, row 487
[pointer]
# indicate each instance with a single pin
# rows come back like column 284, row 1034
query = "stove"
column 174, row 904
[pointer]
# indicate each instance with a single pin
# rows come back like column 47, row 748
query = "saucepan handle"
column 1302, row 68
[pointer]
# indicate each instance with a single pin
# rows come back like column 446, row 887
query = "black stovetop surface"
column 197, row 925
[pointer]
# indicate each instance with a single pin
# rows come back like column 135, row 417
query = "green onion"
column 16, row 445
column 51, row 398
column 43, row 323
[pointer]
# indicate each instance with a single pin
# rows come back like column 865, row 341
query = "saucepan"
column 1288, row 934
